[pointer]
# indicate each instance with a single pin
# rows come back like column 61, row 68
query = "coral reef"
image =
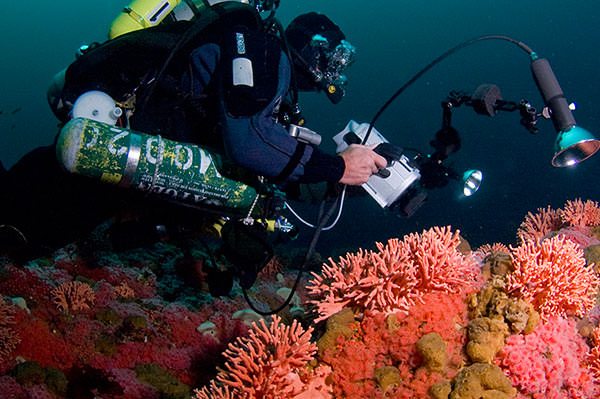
column 423, row 347
column 110, row 329
column 422, row 316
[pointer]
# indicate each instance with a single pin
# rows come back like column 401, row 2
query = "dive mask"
column 329, row 65
column 266, row 5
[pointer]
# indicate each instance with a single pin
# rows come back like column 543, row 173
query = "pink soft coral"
column 581, row 235
column 396, row 276
column 489, row 249
column 553, row 277
column 8, row 337
column 537, row 225
column 11, row 389
column 73, row 296
column 268, row 364
column 593, row 358
column 579, row 213
column 548, row 362
column 42, row 345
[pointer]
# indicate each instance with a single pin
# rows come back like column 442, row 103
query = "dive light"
column 471, row 181
column 573, row 143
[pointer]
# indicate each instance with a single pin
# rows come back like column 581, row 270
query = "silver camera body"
column 403, row 176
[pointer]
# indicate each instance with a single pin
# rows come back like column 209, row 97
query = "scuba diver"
column 225, row 78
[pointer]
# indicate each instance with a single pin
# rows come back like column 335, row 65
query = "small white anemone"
column 21, row 303
column 208, row 328
column 247, row 316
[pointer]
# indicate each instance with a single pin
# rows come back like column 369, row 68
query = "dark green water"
column 394, row 40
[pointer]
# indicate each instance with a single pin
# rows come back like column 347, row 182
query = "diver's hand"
column 361, row 162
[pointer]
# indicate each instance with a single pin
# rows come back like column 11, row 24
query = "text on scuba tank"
column 210, row 196
column 160, row 148
column 205, row 162
column 183, row 155
column 112, row 144
column 94, row 139
column 189, row 157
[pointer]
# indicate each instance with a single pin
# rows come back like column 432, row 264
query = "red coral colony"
column 423, row 316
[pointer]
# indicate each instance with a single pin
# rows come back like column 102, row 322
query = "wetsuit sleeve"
column 255, row 78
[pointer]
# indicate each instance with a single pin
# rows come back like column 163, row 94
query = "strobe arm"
column 487, row 100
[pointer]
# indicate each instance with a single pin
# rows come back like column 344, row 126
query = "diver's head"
column 265, row 5
column 320, row 54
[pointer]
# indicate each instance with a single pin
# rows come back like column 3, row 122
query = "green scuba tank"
column 179, row 172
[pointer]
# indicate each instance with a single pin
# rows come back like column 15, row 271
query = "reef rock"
column 486, row 338
column 434, row 351
column 478, row 381
column 338, row 324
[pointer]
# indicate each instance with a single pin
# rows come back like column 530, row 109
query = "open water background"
column 395, row 39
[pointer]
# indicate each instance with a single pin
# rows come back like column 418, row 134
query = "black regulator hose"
column 309, row 252
column 521, row 45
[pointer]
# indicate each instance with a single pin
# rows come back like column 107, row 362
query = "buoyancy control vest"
column 143, row 69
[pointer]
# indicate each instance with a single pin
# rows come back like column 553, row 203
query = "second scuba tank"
column 179, row 172
column 141, row 14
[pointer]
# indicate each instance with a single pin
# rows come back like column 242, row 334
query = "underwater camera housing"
column 397, row 186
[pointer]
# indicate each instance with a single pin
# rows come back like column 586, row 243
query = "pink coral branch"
column 553, row 277
column 593, row 358
column 394, row 277
column 266, row 364
column 73, row 296
column 9, row 339
column 579, row 213
column 536, row 226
